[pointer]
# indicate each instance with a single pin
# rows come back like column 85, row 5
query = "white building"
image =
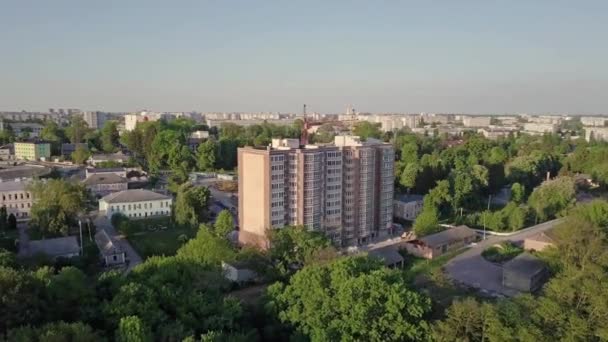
column 595, row 121
column 540, row 128
column 131, row 120
column 407, row 207
column 598, row 133
column 110, row 251
column 476, row 121
column 16, row 198
column 137, row 203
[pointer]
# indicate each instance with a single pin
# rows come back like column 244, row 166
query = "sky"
column 469, row 56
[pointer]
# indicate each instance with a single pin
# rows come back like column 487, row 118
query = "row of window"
column 16, row 196
column 138, row 206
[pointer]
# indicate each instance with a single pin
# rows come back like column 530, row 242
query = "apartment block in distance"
column 32, row 150
column 344, row 190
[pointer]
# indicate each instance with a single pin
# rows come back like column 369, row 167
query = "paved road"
column 101, row 222
column 471, row 269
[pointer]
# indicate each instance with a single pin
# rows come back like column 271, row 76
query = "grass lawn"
column 151, row 240
column 415, row 266
column 502, row 253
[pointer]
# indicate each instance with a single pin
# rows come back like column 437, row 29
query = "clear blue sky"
column 403, row 56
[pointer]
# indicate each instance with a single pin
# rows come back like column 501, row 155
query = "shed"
column 110, row 251
column 389, row 255
column 238, row 272
column 524, row 273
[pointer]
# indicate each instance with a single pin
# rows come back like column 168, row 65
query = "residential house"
column 136, row 203
column 101, row 184
column 389, row 255
column 438, row 244
column 110, row 251
column 524, row 273
column 62, row 247
column 407, row 207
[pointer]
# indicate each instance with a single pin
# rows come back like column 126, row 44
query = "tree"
column 518, row 193
column 132, row 329
column 55, row 332
column 7, row 259
column 207, row 248
column 427, row 222
column 52, row 133
column 409, row 175
column 3, row 218
column 365, row 130
column 80, row 155
column 295, row 247
column 191, row 204
column 57, row 206
column 351, row 299
column 224, row 223
column 206, row 155
column 77, row 130
column 552, row 196
column 70, row 295
column 109, row 136
column 12, row 221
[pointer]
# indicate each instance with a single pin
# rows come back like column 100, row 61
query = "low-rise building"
column 62, row 247
column 524, row 273
column 238, row 272
column 7, row 152
column 29, row 129
column 136, row 203
column 438, row 244
column 68, row 149
column 110, row 251
column 32, row 150
column 407, row 207
column 102, row 184
column 494, row 133
column 16, row 198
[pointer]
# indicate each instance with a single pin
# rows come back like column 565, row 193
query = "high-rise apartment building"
column 95, row 119
column 344, row 190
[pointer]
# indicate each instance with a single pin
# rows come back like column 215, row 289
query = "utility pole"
column 484, row 217
column 80, row 228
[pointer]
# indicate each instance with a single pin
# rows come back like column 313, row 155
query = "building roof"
column 106, row 244
column 104, row 178
column 13, row 185
column 546, row 237
column 134, row 195
column 525, row 264
column 24, row 171
column 389, row 255
column 447, row 236
column 409, row 198
column 105, row 169
column 55, row 247
column 111, row 156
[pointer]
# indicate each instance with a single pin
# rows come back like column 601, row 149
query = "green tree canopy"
column 224, row 223
column 351, row 299
column 191, row 204
column 57, row 204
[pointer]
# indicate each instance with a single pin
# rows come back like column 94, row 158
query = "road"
column 24, row 240
column 471, row 269
column 102, row 222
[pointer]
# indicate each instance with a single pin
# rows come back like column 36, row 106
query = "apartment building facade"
column 344, row 190
column 34, row 150
column 16, row 198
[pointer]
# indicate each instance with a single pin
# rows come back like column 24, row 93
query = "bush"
column 502, row 253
